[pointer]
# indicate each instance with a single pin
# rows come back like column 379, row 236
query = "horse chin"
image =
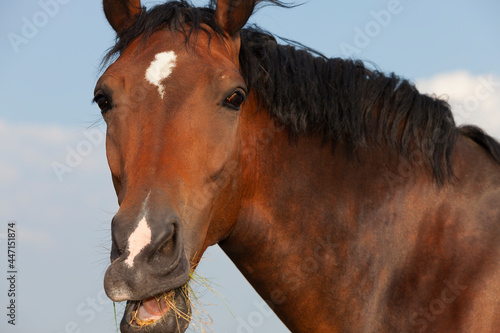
column 168, row 312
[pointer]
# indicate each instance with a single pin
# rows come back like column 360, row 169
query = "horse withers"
column 350, row 202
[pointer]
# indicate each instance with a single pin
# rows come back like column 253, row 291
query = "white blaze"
column 161, row 68
column 138, row 241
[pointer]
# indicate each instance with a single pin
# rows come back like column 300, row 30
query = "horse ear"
column 232, row 15
column 121, row 13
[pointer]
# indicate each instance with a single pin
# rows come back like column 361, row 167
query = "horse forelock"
column 340, row 100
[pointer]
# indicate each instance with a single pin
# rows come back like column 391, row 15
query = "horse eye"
column 102, row 102
column 235, row 100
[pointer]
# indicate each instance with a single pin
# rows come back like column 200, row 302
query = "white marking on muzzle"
column 138, row 240
column 161, row 68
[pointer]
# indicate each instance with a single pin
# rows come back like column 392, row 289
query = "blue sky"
column 450, row 48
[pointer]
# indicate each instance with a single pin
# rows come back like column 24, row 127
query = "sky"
column 54, row 180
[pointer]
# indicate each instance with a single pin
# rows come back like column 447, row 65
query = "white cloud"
column 474, row 99
column 25, row 144
column 39, row 146
column 31, row 189
column 8, row 174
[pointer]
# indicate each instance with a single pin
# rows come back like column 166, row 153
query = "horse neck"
column 286, row 231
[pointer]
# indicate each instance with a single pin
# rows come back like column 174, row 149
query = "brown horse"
column 349, row 201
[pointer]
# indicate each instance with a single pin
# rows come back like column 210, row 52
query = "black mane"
column 341, row 100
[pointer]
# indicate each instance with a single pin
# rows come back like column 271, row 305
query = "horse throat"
column 283, row 242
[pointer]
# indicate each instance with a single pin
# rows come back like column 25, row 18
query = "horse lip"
column 170, row 286
column 119, row 290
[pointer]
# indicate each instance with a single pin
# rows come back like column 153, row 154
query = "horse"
column 348, row 200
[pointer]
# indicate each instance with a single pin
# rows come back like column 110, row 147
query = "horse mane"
column 342, row 100
column 338, row 99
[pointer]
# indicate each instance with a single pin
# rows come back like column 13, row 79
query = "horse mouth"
column 169, row 311
column 150, row 310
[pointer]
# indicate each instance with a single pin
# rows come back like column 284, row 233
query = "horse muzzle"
column 149, row 270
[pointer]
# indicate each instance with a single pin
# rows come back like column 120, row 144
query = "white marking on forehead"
column 138, row 240
column 161, row 68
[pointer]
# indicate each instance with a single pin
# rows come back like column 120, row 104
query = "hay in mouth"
column 180, row 305
column 151, row 310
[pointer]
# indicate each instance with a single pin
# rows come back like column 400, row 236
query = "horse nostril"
column 118, row 238
column 166, row 236
column 115, row 252
column 168, row 245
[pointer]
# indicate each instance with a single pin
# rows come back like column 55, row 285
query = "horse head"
column 171, row 103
